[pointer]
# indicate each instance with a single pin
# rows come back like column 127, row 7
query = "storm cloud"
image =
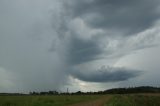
column 128, row 16
column 46, row 45
column 109, row 74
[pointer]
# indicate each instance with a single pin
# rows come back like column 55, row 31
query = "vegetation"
column 67, row 100
column 138, row 96
column 61, row 100
column 142, row 89
column 134, row 100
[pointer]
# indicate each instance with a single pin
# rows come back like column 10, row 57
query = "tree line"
column 142, row 89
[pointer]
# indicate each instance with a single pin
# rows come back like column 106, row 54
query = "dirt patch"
column 99, row 102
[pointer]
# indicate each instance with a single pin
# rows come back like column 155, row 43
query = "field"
column 83, row 100
column 135, row 100
column 59, row 100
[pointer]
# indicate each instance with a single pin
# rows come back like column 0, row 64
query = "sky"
column 86, row 45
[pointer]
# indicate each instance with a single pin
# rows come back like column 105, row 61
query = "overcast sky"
column 86, row 45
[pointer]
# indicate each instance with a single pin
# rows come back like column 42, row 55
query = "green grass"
column 134, row 100
column 44, row 100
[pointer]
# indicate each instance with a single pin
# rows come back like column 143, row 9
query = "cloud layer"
column 44, row 43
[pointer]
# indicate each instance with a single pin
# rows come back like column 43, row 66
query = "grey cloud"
column 130, row 16
column 81, row 50
column 127, row 16
column 29, row 28
column 109, row 74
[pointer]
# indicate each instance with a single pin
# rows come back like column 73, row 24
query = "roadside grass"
column 61, row 100
column 134, row 100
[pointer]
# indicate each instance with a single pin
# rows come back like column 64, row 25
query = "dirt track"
column 98, row 102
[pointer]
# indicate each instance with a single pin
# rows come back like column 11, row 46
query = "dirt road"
column 98, row 102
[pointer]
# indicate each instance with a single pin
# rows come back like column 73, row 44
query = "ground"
column 83, row 100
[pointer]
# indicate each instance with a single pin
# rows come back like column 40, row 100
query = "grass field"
column 82, row 100
column 135, row 100
column 61, row 100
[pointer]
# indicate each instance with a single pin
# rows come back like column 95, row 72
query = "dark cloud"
column 109, row 74
column 81, row 50
column 127, row 16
